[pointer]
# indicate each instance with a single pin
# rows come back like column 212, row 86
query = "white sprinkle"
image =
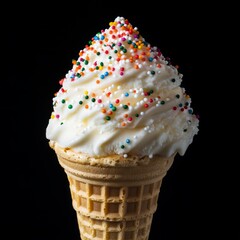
column 125, row 155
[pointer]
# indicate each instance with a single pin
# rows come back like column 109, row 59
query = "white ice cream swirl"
column 122, row 97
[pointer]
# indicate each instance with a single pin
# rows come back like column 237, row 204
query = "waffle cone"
column 113, row 202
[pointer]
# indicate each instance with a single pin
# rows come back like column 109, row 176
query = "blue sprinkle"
column 110, row 105
column 106, row 73
column 150, row 59
column 128, row 140
column 102, row 76
column 126, row 94
column 102, row 37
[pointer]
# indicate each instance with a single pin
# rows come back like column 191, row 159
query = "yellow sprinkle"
column 86, row 92
column 52, row 116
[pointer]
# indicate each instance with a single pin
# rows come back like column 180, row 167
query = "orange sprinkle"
column 74, row 61
column 86, row 106
column 109, row 112
column 131, row 59
column 91, row 69
column 136, row 66
column 106, row 39
column 87, row 57
column 93, row 95
column 125, row 115
column 97, row 81
column 103, row 110
column 123, row 124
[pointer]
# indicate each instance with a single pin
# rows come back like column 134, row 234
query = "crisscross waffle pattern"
column 114, row 212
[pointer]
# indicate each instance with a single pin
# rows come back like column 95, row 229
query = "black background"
column 41, row 43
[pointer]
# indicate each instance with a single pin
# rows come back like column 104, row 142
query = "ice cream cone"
column 113, row 202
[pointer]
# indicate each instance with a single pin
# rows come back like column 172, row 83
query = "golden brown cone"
column 113, row 202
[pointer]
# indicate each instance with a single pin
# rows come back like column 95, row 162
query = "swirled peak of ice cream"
column 122, row 97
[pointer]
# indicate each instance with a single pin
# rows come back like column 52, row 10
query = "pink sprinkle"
column 130, row 119
column 99, row 100
column 121, row 73
column 123, row 39
column 57, row 116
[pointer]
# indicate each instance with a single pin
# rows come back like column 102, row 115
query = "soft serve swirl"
column 122, row 97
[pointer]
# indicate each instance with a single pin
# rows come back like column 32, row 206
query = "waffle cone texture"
column 114, row 197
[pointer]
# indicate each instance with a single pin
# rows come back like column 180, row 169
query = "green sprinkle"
column 114, row 108
column 93, row 99
column 86, row 97
column 162, row 102
column 122, row 146
column 101, row 64
column 80, row 102
column 108, row 118
column 63, row 100
column 125, row 106
column 136, row 115
column 70, row 106
column 86, row 62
